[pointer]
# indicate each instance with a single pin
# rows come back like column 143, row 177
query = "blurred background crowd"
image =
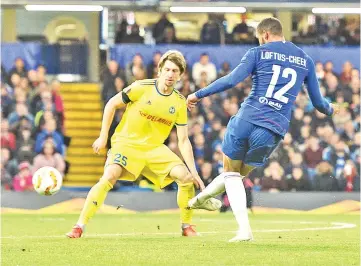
column 319, row 30
column 32, row 125
column 318, row 154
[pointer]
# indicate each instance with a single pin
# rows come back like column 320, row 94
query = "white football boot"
column 211, row 204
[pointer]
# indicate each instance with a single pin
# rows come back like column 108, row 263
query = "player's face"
column 169, row 74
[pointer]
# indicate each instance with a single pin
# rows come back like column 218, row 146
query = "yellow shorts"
column 155, row 164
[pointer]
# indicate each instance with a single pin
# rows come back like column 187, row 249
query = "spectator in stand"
column 134, row 36
column 23, row 180
column 135, row 70
column 207, row 173
column 6, row 101
column 274, row 180
column 338, row 158
column 46, row 102
column 355, row 85
column 160, row 27
column 204, row 65
column 351, row 176
column 4, row 74
column 9, row 163
column 348, row 134
column 49, row 157
column 50, row 132
column 112, row 72
column 312, row 154
column 15, row 80
column 121, row 31
column 281, row 154
column 119, row 85
column 320, row 73
column 152, row 68
column 35, row 98
column 329, row 68
column 58, row 101
column 212, row 31
column 169, row 36
column 355, row 148
column 198, row 146
column 355, row 105
column 340, row 119
column 8, row 139
column 242, row 33
column 6, row 179
column 296, row 123
column 25, row 146
column 345, row 76
column 319, row 118
column 21, row 111
column 19, row 68
column 225, row 70
column 33, row 79
column 332, row 86
column 298, row 181
column 324, row 178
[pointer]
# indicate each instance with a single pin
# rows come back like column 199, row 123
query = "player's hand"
column 198, row 182
column 99, row 144
column 192, row 100
column 336, row 108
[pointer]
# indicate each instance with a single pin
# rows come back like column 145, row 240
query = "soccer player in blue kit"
column 278, row 69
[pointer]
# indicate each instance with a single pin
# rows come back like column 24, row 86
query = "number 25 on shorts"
column 120, row 159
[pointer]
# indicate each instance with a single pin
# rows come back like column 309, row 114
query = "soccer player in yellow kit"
column 153, row 107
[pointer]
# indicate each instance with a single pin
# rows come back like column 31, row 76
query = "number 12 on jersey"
column 285, row 74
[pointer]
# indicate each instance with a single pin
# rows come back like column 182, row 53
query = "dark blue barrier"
column 232, row 53
column 30, row 52
column 58, row 59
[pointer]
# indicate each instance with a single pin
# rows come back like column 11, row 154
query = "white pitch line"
column 336, row 226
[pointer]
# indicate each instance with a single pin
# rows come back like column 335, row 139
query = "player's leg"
column 96, row 198
column 237, row 196
column 236, row 147
column 262, row 142
column 184, row 179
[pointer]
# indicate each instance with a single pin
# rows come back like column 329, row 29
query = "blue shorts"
column 249, row 143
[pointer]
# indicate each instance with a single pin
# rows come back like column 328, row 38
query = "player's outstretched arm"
column 186, row 150
column 313, row 88
column 114, row 103
column 242, row 71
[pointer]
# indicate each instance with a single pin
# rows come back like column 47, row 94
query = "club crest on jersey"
column 172, row 110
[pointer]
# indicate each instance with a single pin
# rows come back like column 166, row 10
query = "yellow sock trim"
column 94, row 200
column 185, row 193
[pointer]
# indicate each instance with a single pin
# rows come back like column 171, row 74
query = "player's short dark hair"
column 271, row 25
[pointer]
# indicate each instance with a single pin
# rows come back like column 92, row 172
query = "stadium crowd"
column 318, row 154
column 324, row 31
column 32, row 125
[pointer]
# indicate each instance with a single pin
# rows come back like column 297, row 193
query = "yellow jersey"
column 150, row 115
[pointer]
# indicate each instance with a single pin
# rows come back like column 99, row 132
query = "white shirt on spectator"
column 209, row 68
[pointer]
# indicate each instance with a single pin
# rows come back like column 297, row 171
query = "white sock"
column 215, row 188
column 237, row 199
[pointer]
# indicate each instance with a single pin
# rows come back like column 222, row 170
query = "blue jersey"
column 278, row 71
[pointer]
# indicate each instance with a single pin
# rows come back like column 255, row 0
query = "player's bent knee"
column 112, row 173
column 188, row 178
column 181, row 174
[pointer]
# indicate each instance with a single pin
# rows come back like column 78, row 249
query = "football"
column 47, row 181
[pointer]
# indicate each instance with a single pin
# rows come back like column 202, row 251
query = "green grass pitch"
column 154, row 239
